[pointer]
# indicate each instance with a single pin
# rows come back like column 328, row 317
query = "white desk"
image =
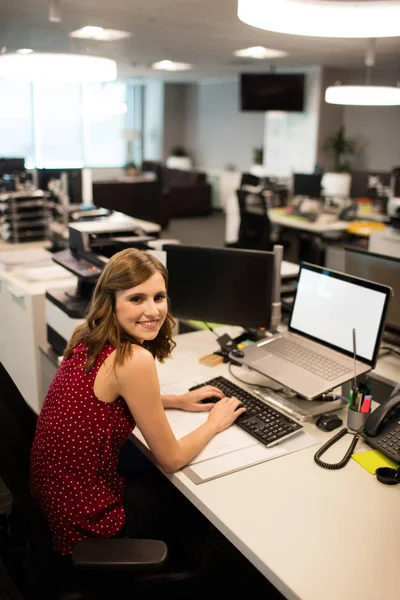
column 23, row 326
column 315, row 534
column 277, row 217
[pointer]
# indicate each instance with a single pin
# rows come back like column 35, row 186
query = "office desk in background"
column 315, row 534
column 278, row 216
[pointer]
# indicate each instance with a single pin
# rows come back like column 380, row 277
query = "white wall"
column 217, row 132
column 153, row 120
column 290, row 139
column 175, row 117
column 331, row 117
column 377, row 127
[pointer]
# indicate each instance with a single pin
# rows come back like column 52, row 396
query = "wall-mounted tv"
column 272, row 91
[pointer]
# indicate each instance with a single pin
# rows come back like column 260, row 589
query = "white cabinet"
column 22, row 329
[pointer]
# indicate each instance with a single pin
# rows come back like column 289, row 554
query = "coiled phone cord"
column 328, row 444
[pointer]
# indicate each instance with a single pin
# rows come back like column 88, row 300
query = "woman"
column 107, row 384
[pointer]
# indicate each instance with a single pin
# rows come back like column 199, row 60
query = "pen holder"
column 356, row 420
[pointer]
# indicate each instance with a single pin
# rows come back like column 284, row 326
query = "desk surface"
column 279, row 217
column 315, row 534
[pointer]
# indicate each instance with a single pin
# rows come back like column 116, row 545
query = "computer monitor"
column 10, row 166
column 305, row 184
column 381, row 269
column 220, row 285
column 138, row 199
column 74, row 182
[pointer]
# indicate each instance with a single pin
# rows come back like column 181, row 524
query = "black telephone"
column 382, row 429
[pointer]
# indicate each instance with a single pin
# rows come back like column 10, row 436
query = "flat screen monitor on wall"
column 272, row 92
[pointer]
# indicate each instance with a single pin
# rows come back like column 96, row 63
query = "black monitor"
column 381, row 269
column 74, row 182
column 361, row 182
column 272, row 91
column 11, row 166
column 220, row 285
column 305, row 184
column 138, row 199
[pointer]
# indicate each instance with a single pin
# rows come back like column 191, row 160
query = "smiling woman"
column 107, row 384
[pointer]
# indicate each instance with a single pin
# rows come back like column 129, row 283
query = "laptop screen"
column 329, row 305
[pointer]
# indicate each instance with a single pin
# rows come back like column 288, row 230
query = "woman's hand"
column 192, row 401
column 225, row 412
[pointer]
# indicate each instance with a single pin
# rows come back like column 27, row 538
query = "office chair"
column 255, row 226
column 113, row 568
column 248, row 179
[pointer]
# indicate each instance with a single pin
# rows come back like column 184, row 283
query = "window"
column 16, row 126
column 58, row 124
column 71, row 125
column 104, row 110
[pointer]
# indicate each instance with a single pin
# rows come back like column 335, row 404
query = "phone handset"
column 380, row 416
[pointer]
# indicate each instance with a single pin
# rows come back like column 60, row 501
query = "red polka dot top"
column 75, row 454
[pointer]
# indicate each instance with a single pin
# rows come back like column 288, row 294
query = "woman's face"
column 142, row 310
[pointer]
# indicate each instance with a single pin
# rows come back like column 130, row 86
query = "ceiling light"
column 57, row 67
column 327, row 18
column 92, row 32
column 364, row 95
column 24, row 51
column 169, row 65
column 259, row 52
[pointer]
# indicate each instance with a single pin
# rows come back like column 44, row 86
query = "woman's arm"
column 138, row 384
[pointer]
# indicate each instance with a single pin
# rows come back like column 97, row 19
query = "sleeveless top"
column 75, row 455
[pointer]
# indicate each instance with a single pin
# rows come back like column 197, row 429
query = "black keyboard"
column 264, row 423
column 388, row 441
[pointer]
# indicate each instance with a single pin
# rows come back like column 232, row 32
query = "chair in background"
column 255, row 226
column 115, row 568
column 248, row 179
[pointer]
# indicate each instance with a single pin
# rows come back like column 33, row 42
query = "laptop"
column 316, row 354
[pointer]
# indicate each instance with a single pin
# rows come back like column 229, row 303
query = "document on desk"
column 230, row 450
column 246, row 457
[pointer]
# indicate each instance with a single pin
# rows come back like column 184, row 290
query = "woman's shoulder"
column 139, row 360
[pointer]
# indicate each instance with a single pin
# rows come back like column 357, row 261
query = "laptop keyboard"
column 307, row 359
column 264, row 423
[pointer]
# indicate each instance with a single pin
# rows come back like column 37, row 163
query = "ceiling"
column 201, row 32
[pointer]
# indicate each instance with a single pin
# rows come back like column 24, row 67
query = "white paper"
column 14, row 258
column 45, row 273
column 231, row 439
column 246, row 457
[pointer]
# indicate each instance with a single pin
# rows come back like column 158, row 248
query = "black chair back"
column 25, row 542
column 255, row 226
column 249, row 180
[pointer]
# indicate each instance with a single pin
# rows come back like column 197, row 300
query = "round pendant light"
column 324, row 18
column 364, row 95
column 39, row 66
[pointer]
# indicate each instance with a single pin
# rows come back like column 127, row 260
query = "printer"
column 91, row 244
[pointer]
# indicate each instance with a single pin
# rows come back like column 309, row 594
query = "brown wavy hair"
column 124, row 270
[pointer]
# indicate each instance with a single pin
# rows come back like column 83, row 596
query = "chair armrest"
column 119, row 554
